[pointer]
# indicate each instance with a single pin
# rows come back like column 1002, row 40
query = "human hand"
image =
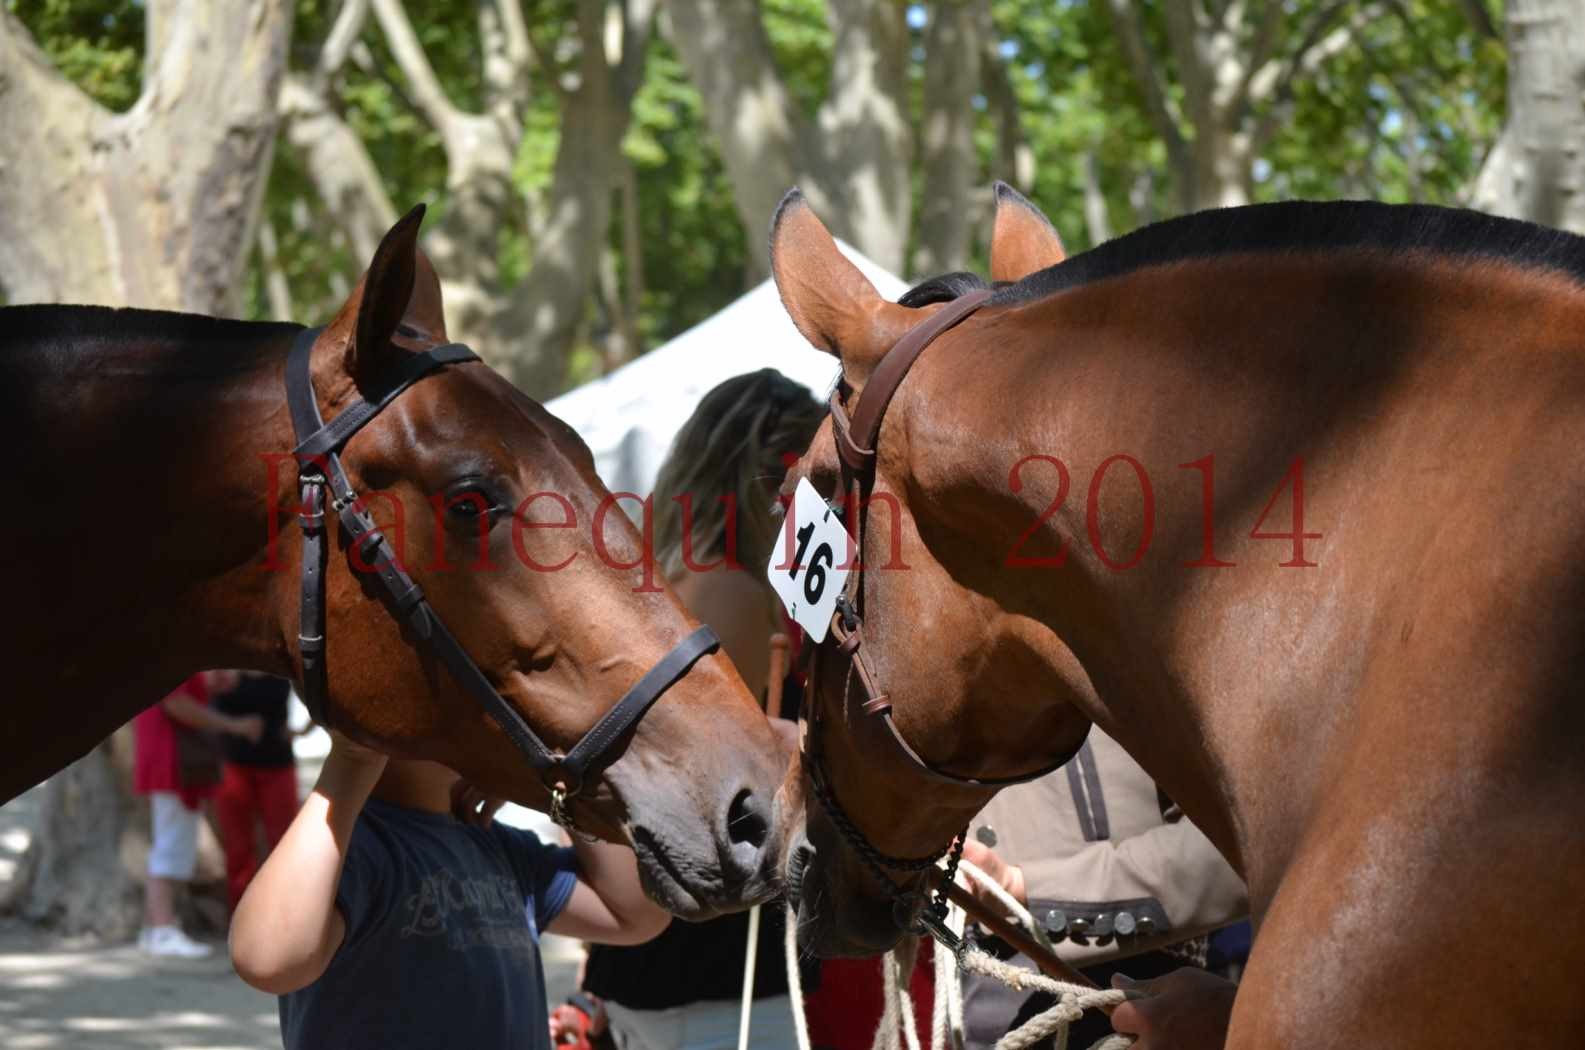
column 472, row 806
column 1187, row 1009
column 1009, row 877
column 248, row 727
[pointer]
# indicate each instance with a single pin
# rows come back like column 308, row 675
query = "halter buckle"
column 928, row 922
column 850, row 616
column 558, row 807
column 563, row 784
column 311, row 511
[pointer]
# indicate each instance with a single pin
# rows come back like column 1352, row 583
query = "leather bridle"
column 856, row 438
column 321, row 476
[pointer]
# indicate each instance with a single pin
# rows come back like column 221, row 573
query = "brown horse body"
column 149, row 453
column 1390, row 745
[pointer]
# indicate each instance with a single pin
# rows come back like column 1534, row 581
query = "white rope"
column 898, row 1026
column 946, row 1020
column 747, row 1012
column 795, row 981
column 1014, row 907
column 1072, row 1000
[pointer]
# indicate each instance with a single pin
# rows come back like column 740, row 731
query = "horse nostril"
column 746, row 822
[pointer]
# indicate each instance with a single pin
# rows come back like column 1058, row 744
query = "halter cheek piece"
column 856, row 439
column 320, row 476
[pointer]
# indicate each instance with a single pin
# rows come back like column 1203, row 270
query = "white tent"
column 630, row 417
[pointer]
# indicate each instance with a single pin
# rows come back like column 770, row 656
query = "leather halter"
column 856, row 438
column 320, row 473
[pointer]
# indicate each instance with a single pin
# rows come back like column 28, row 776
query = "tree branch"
column 749, row 108
column 519, row 52
column 30, row 70
column 1479, row 17
column 1131, row 34
column 343, row 34
column 866, row 136
column 1189, row 38
column 1308, row 62
column 1015, row 161
column 505, row 83
column 343, row 173
column 953, row 50
column 638, row 18
column 1260, row 50
column 276, row 288
column 427, row 93
column 542, row 58
column 1276, row 75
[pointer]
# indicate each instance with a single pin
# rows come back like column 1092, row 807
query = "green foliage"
column 96, row 45
column 1406, row 113
column 694, row 253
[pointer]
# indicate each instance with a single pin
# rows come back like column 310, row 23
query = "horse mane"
column 1308, row 226
column 51, row 324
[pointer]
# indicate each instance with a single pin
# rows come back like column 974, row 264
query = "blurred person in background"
column 714, row 532
column 257, row 797
column 177, row 766
column 1118, row 878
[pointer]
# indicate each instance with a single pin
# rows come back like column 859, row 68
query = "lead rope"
column 1072, row 999
column 795, row 980
column 897, row 1027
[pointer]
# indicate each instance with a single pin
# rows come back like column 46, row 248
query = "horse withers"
column 1290, row 500
column 157, row 525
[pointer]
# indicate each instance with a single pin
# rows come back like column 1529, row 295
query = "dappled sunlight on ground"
column 55, row 994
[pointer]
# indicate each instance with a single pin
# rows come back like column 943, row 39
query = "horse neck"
column 1181, row 662
column 148, row 493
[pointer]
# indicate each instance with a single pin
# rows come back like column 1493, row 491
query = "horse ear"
column 398, row 291
column 1023, row 240
column 834, row 305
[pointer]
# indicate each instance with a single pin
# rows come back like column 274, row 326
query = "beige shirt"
column 1098, row 856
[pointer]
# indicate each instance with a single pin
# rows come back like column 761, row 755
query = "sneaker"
column 171, row 943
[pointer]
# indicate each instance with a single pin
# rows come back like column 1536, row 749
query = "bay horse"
column 1290, row 500
column 156, row 526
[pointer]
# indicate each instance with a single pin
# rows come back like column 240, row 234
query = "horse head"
column 493, row 508
column 980, row 692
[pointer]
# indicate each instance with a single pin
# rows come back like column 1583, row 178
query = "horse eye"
column 470, row 501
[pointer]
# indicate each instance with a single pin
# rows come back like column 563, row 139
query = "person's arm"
column 608, row 905
column 189, row 712
column 287, row 927
column 1174, row 864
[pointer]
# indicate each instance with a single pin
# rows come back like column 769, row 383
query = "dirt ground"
column 61, row 993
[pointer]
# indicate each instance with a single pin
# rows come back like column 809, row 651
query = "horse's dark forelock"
column 942, row 289
column 1310, row 226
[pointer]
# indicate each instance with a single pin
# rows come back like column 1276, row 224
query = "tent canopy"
column 629, row 417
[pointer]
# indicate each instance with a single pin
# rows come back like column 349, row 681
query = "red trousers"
column 248, row 797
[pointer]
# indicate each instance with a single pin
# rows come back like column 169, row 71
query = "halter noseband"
column 320, row 473
column 857, row 436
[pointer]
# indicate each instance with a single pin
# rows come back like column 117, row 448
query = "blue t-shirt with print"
column 442, row 944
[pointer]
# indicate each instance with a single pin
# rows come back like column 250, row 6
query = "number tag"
column 809, row 565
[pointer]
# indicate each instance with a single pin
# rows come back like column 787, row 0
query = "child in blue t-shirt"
column 386, row 922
